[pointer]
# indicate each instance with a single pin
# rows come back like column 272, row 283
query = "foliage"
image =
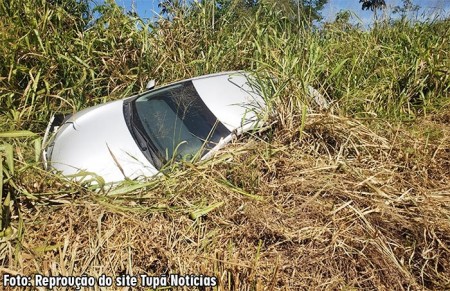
column 296, row 10
column 407, row 7
column 372, row 4
column 354, row 197
column 51, row 66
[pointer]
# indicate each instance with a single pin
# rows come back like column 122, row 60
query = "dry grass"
column 339, row 206
column 317, row 201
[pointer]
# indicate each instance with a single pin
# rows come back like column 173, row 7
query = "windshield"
column 177, row 122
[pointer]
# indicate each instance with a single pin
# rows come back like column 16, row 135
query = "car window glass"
column 178, row 122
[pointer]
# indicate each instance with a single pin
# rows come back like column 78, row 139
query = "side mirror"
column 150, row 84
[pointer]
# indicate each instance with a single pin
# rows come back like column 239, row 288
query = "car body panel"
column 99, row 142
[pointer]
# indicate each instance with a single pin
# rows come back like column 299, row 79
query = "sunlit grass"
column 353, row 196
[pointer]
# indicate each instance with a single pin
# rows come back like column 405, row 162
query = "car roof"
column 231, row 98
column 213, row 75
column 228, row 95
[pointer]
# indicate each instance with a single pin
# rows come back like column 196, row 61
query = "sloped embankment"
column 336, row 205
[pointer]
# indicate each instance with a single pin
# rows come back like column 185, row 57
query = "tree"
column 311, row 8
column 406, row 8
column 372, row 4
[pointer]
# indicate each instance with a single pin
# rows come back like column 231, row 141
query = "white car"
column 136, row 136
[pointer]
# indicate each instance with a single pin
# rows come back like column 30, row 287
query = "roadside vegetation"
column 353, row 197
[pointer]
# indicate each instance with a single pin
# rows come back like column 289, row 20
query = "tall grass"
column 50, row 61
column 346, row 198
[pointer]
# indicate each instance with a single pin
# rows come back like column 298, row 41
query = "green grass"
column 355, row 196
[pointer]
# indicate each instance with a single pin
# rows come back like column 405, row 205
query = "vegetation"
column 356, row 196
column 372, row 4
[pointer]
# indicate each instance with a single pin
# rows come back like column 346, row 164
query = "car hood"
column 97, row 140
